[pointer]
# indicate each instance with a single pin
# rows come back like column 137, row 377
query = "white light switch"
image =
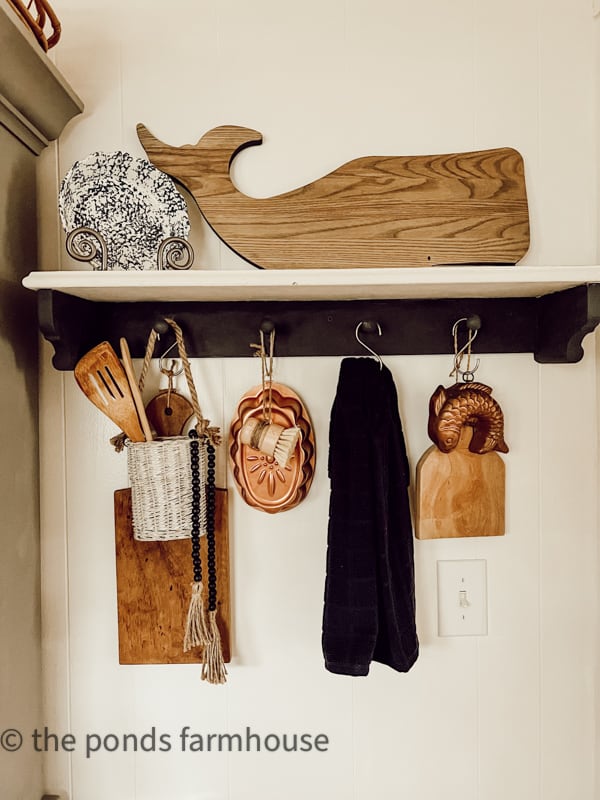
column 462, row 597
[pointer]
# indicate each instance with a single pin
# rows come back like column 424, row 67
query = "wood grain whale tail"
column 204, row 166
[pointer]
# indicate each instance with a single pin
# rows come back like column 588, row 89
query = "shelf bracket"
column 564, row 318
column 68, row 323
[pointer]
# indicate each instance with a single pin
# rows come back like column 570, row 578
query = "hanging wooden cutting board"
column 460, row 493
column 168, row 413
column 377, row 211
column 153, row 589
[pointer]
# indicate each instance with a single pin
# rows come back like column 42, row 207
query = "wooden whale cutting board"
column 460, row 493
column 376, row 211
column 153, row 589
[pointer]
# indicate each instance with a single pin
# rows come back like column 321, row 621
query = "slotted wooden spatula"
column 101, row 377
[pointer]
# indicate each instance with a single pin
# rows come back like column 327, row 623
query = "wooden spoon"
column 137, row 397
column 169, row 415
column 100, row 375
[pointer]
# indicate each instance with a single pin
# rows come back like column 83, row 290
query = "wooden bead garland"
column 199, row 630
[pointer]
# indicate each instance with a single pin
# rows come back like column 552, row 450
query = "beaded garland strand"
column 210, row 529
column 203, row 633
column 195, row 466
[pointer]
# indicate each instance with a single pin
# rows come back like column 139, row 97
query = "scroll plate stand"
column 86, row 244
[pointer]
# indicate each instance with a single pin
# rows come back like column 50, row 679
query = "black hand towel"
column 369, row 611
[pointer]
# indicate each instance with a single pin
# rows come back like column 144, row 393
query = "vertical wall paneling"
column 54, row 567
column 511, row 649
column 566, row 123
column 568, row 580
column 484, row 718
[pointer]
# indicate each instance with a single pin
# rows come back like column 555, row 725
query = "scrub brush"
column 271, row 439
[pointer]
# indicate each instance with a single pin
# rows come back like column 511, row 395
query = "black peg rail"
column 551, row 327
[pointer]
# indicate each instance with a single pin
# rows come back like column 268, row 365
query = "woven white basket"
column 161, row 489
column 160, row 471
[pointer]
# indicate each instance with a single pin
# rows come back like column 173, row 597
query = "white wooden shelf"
column 315, row 284
column 546, row 311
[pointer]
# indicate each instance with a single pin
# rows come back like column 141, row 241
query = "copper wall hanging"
column 265, row 481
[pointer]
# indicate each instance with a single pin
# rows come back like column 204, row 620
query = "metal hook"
column 170, row 371
column 473, row 324
column 370, row 327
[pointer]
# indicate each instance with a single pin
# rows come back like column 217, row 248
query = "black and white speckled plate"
column 130, row 202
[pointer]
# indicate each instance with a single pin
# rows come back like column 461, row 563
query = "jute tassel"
column 196, row 629
column 213, row 668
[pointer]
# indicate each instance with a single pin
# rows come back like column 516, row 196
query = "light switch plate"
column 462, row 598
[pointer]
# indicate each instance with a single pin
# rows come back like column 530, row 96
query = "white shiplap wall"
column 507, row 715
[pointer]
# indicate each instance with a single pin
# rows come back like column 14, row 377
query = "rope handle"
column 202, row 424
column 266, row 361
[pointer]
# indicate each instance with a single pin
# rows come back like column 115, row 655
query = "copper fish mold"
column 450, row 409
column 261, row 481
